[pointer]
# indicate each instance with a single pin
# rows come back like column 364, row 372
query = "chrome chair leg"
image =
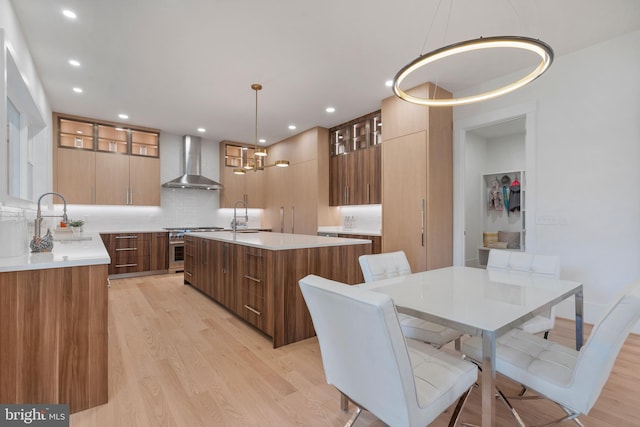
column 354, row 417
column 344, row 402
column 455, row 416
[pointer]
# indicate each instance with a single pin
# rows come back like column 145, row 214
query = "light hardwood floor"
column 176, row 358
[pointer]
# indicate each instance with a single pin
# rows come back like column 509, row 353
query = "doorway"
column 497, row 146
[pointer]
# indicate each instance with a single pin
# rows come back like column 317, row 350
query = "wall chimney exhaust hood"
column 191, row 178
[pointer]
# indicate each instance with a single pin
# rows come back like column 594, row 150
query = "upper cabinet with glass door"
column 91, row 135
column 354, row 166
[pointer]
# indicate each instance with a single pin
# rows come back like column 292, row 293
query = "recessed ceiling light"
column 330, row 110
column 69, row 14
column 388, row 83
column 77, row 90
column 262, row 140
column 74, row 62
column 78, row 131
column 123, row 116
column 202, row 130
column 292, row 127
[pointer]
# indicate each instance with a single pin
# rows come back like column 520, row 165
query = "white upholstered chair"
column 535, row 265
column 392, row 264
column 573, row 379
column 365, row 356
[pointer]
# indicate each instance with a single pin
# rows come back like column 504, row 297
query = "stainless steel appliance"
column 176, row 245
column 191, row 177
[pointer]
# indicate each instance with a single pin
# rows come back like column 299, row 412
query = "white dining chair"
column 573, row 379
column 366, row 357
column 534, row 265
column 393, row 264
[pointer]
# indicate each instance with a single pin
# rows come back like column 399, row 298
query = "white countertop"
column 72, row 250
column 278, row 241
column 349, row 230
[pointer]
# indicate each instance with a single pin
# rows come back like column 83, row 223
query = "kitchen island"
column 255, row 275
column 53, row 325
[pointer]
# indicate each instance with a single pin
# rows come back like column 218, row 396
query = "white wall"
column 475, row 160
column 13, row 41
column 587, row 150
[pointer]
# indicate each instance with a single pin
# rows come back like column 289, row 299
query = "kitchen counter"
column 349, row 230
column 70, row 250
column 278, row 241
column 255, row 275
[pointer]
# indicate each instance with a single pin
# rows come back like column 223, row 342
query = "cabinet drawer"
column 129, row 264
column 254, row 270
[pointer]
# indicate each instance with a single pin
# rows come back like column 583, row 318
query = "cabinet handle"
column 422, row 223
column 281, row 219
column 344, row 199
column 127, row 237
column 126, row 249
column 254, row 255
column 293, row 219
column 253, row 279
column 187, row 273
column 126, row 265
column 130, row 195
column 224, row 258
column 253, row 310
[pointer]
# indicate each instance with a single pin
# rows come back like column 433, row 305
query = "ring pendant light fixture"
column 256, row 163
column 536, row 46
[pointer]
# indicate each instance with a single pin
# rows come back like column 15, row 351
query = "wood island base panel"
column 53, row 335
column 259, row 283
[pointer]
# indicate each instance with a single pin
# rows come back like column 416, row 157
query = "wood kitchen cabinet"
column 54, row 337
column 260, row 285
column 254, row 303
column 417, row 180
column 355, row 177
column 105, row 163
column 159, row 251
column 136, row 253
column 298, row 196
column 376, row 241
column 355, row 162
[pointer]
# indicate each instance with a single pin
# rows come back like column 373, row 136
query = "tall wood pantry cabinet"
column 297, row 200
column 105, row 163
column 417, row 180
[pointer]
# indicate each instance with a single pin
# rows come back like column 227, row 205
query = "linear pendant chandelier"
column 256, row 163
column 536, row 46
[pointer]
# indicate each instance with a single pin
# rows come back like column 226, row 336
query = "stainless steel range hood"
column 191, row 177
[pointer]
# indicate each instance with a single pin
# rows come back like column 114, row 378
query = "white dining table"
column 483, row 303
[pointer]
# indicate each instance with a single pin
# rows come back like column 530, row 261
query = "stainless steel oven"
column 176, row 256
column 176, row 245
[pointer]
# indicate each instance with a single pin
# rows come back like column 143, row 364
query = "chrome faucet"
column 234, row 223
column 39, row 216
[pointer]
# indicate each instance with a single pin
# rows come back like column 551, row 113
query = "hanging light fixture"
column 256, row 162
column 540, row 48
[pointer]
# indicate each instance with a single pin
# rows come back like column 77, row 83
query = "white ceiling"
column 181, row 64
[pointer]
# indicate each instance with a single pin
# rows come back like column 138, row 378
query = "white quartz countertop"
column 278, row 241
column 70, row 250
column 349, row 230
